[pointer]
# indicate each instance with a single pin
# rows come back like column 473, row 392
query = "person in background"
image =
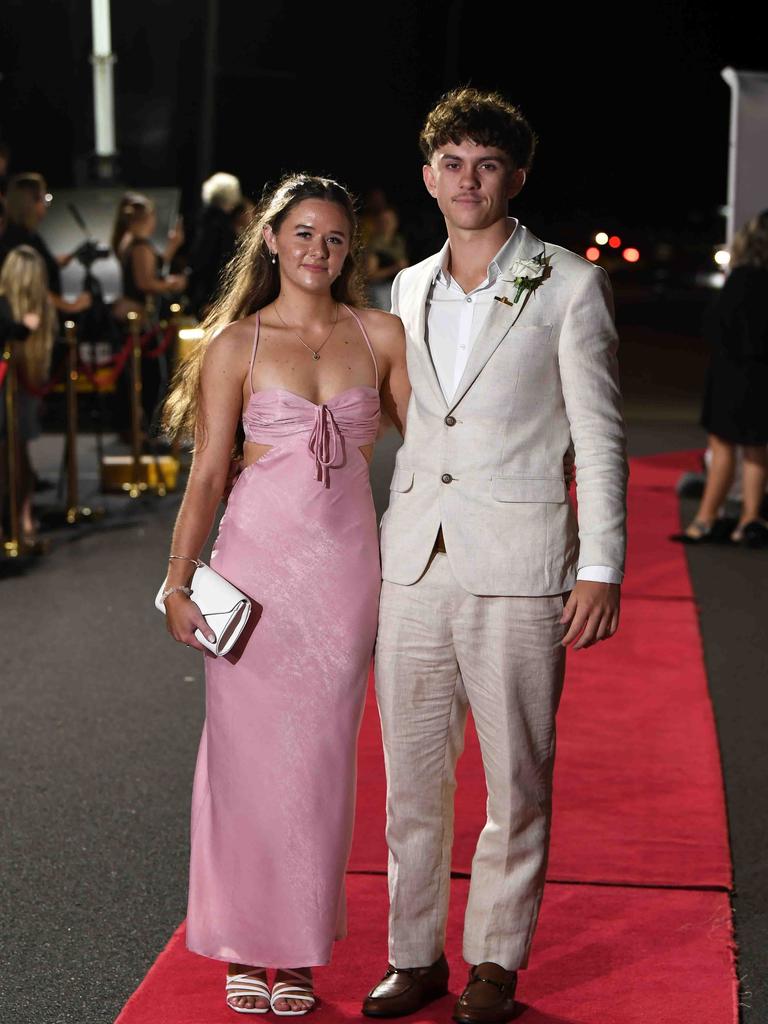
column 215, row 237
column 26, row 315
column 26, row 205
column 374, row 201
column 735, row 409
column 386, row 257
column 142, row 264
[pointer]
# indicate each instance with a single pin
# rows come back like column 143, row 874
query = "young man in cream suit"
column 488, row 576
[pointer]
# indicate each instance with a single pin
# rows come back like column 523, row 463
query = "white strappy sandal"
column 245, row 985
column 291, row 990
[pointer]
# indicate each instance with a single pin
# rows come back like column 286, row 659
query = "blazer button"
column 450, row 421
column 446, row 478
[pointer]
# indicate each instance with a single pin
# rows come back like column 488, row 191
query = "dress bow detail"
column 324, row 442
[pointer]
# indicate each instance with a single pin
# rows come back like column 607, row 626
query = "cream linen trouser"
column 439, row 651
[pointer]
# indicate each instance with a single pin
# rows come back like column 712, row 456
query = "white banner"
column 748, row 151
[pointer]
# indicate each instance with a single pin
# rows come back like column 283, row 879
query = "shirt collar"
column 500, row 262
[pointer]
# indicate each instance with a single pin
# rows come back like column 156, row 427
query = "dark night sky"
column 627, row 101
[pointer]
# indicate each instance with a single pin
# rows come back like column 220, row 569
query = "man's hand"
column 235, row 469
column 593, row 613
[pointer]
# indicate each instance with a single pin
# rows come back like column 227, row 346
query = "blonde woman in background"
column 28, row 318
column 26, row 207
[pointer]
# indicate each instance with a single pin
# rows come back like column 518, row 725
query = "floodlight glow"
column 722, row 257
column 631, row 255
column 601, row 238
column 592, row 253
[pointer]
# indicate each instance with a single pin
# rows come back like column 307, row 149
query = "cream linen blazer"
column 488, row 465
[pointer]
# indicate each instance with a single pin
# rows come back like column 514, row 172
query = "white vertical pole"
column 103, row 90
column 748, row 147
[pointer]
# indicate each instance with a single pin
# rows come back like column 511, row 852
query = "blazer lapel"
column 417, row 317
column 501, row 318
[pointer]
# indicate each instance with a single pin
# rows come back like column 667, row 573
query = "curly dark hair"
column 486, row 118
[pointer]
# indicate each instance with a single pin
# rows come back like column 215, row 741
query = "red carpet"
column 655, row 567
column 601, row 956
column 638, row 802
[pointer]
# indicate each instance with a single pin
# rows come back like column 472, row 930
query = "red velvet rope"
column 116, row 364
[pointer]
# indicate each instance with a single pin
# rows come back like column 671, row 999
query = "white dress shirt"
column 454, row 320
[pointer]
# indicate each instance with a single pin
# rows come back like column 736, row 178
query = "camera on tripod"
column 91, row 250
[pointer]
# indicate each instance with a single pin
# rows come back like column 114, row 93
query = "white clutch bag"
column 225, row 608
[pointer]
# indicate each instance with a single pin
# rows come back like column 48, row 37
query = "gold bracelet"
column 186, row 558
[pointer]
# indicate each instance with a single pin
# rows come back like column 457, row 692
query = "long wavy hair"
column 24, row 284
column 251, row 281
column 750, row 244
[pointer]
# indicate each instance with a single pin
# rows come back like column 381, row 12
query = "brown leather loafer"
column 406, row 990
column 489, row 997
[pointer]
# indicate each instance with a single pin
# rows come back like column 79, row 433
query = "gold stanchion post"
column 71, row 391
column 151, row 472
column 13, row 546
column 74, row 512
column 137, row 484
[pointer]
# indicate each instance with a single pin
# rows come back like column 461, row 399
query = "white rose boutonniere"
column 529, row 274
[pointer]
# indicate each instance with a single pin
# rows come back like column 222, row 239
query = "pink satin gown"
column 274, row 789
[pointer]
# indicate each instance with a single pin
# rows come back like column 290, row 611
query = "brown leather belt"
column 439, row 546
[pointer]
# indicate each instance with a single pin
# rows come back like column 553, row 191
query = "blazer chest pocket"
column 550, row 490
column 402, row 480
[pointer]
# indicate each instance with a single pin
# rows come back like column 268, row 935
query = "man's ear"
column 429, row 180
column 516, row 182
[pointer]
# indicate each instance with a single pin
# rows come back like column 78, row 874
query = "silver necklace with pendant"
column 315, row 351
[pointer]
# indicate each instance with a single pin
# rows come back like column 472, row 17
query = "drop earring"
column 274, row 258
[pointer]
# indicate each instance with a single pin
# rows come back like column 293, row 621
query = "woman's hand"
column 175, row 283
column 175, row 239
column 183, row 617
column 31, row 321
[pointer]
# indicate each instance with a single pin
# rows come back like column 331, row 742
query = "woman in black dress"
column 735, row 412
column 143, row 280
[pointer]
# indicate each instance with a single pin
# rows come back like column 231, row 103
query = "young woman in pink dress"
column 291, row 357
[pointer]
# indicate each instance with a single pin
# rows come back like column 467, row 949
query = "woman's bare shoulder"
column 383, row 328
column 230, row 345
